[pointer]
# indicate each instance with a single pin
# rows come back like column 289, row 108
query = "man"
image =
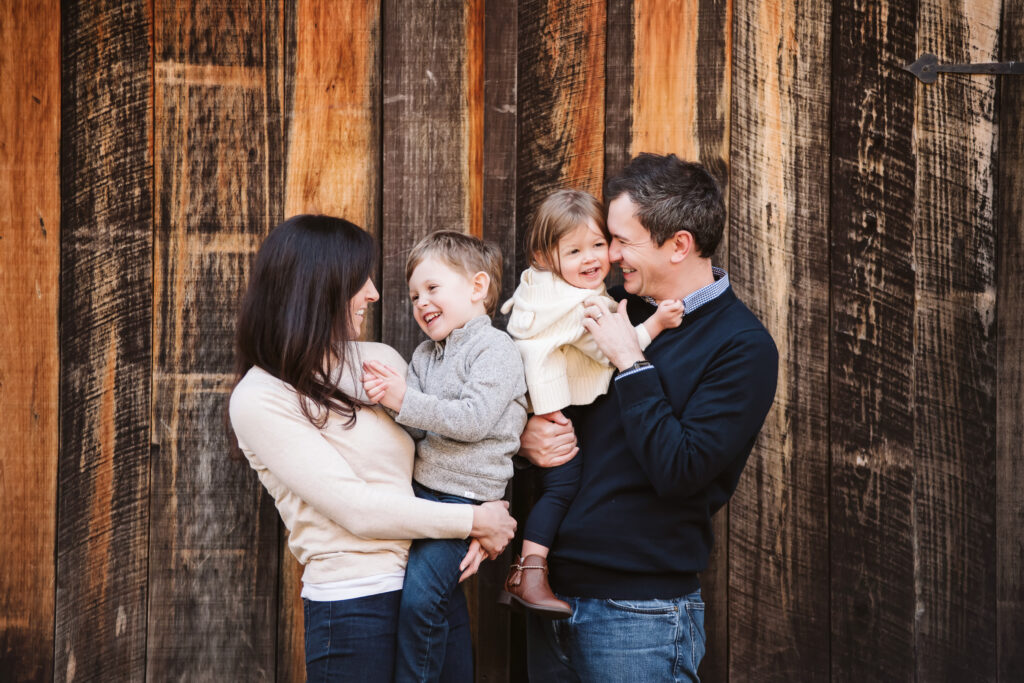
column 662, row 450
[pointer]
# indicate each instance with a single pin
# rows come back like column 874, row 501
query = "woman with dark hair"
column 339, row 468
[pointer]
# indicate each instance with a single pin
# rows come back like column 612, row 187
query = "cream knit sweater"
column 564, row 365
column 345, row 495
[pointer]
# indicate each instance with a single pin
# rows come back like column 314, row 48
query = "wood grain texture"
column 1010, row 362
column 493, row 634
column 213, row 554
column 29, row 358
column 427, row 142
column 871, row 355
column 955, row 349
column 778, row 259
column 561, row 100
column 106, row 215
column 618, row 99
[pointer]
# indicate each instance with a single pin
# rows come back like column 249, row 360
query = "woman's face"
column 357, row 307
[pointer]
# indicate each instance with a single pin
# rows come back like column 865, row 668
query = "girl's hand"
column 669, row 313
column 493, row 526
column 383, row 384
column 471, row 562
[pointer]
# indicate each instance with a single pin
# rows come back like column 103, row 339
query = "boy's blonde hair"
column 465, row 253
column 560, row 213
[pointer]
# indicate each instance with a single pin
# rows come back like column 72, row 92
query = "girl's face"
column 357, row 307
column 583, row 256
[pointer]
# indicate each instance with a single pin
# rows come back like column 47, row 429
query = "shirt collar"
column 455, row 337
column 695, row 300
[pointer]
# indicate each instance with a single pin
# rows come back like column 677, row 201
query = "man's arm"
column 681, row 455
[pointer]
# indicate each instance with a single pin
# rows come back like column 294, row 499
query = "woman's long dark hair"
column 295, row 315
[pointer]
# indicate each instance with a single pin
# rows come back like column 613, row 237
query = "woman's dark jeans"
column 354, row 640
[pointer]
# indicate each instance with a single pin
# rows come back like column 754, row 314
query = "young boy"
column 464, row 402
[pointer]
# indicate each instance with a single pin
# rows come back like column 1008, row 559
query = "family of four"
column 639, row 406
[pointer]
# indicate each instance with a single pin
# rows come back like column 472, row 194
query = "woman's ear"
column 683, row 245
column 481, row 283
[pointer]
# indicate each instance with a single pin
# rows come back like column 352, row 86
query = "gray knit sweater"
column 465, row 405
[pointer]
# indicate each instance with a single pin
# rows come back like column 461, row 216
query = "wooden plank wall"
column 875, row 226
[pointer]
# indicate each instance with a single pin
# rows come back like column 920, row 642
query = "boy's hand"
column 383, row 385
column 471, row 562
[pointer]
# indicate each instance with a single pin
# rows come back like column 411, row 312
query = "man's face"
column 644, row 265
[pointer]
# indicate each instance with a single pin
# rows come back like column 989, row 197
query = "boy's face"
column 443, row 298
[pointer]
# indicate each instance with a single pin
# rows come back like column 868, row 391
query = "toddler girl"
column 567, row 246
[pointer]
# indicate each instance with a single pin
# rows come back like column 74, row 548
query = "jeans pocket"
column 643, row 606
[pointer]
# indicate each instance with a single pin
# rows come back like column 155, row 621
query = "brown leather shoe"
column 527, row 585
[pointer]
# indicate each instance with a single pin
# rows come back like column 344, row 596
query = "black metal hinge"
column 927, row 68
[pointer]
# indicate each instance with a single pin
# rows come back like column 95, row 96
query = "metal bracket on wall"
column 927, row 68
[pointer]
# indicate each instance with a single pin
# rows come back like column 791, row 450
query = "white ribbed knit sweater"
column 563, row 364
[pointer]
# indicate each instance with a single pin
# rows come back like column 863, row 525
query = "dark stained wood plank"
column 871, row 348
column 1010, row 363
column 778, row 258
column 29, row 356
column 618, row 99
column 428, row 142
column 214, row 542
column 561, row 100
column 493, row 633
column 106, row 235
column 955, row 349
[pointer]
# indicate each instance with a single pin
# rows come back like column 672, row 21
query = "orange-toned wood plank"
column 29, row 277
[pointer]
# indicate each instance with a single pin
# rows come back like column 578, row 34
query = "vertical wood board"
column 955, row 352
column 214, row 552
column 871, row 354
column 778, row 258
column 29, row 362
column 1009, row 613
column 105, row 341
column 426, row 143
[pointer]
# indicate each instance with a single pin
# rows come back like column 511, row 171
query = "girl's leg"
column 531, row 548
column 351, row 640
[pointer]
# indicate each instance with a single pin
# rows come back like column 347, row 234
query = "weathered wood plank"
column 1010, row 365
column 778, row 256
column 333, row 168
column 871, row 347
column 428, row 142
column 213, row 552
column 955, row 350
column 561, row 100
column 105, row 340
column 29, row 362
column 618, row 99
column 493, row 625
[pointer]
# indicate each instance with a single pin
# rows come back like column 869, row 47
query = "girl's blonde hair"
column 560, row 213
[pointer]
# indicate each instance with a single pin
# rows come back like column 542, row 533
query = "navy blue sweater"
column 662, row 451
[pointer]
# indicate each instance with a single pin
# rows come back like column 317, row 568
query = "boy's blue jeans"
column 618, row 640
column 431, row 588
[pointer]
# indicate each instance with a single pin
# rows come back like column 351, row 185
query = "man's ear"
column 481, row 283
column 683, row 245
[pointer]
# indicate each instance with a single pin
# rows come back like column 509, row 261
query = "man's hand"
column 613, row 333
column 383, row 384
column 548, row 440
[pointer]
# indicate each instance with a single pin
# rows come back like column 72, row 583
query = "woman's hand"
column 383, row 384
column 471, row 562
column 548, row 440
column 493, row 526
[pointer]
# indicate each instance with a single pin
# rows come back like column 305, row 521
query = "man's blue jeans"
column 431, row 599
column 618, row 640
